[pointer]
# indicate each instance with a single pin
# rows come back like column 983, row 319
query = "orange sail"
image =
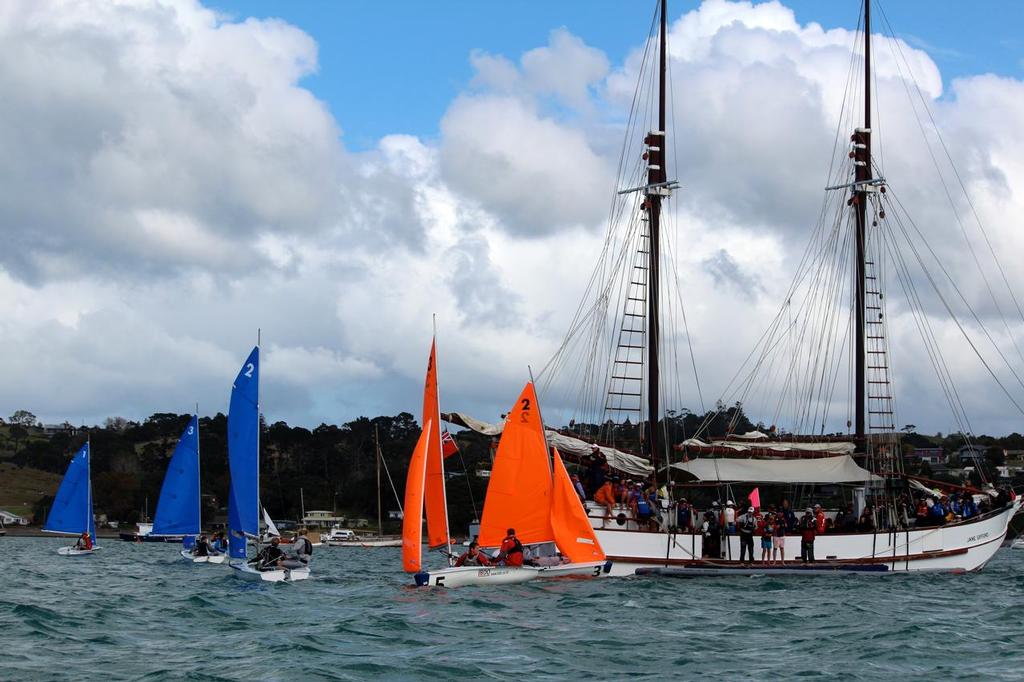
column 412, row 522
column 573, row 534
column 519, row 492
column 437, row 511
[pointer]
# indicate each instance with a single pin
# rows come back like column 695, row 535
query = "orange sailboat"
column 532, row 494
column 425, row 490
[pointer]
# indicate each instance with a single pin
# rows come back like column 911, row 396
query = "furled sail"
column 71, row 511
column 838, row 469
column 412, row 520
column 572, row 530
column 177, row 510
column 519, row 492
column 436, row 505
column 243, row 445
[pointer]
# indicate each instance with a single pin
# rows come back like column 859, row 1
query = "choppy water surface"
column 134, row 611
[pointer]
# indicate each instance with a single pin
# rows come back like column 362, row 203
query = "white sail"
column 271, row 528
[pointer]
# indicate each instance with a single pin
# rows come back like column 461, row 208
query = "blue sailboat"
column 178, row 509
column 71, row 512
column 244, row 462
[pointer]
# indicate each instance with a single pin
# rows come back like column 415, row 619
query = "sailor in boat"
column 473, row 557
column 301, row 552
column 605, row 496
column 84, row 541
column 511, row 551
column 202, row 546
column 270, row 557
column 220, row 543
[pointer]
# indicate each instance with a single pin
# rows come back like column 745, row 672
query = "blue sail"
column 71, row 511
column 177, row 510
column 244, row 444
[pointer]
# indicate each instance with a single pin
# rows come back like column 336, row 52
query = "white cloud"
column 169, row 186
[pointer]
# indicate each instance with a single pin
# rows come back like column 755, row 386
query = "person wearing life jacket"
column 473, row 557
column 270, row 557
column 84, row 541
column 511, row 551
column 220, row 543
column 605, row 496
column 202, row 546
column 301, row 551
column 808, row 529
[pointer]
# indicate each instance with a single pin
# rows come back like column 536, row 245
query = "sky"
column 176, row 175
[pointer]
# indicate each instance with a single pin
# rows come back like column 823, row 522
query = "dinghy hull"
column 74, row 551
column 216, row 559
column 477, row 575
column 278, row 575
column 582, row 570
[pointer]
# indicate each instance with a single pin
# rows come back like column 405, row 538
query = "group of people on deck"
column 641, row 497
column 204, row 546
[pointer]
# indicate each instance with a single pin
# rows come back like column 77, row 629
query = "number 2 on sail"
column 249, row 369
column 524, row 416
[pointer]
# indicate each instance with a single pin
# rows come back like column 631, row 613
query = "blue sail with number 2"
column 243, row 449
column 177, row 511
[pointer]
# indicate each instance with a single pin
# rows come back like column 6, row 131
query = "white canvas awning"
column 836, row 447
column 839, row 469
column 567, row 445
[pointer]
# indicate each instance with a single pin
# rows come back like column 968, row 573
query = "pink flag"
column 755, row 498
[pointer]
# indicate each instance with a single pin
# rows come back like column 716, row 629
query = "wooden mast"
column 656, row 176
column 862, row 178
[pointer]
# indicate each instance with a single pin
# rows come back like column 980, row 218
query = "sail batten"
column 177, row 510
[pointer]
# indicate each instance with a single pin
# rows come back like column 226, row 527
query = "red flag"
column 448, row 445
column 755, row 498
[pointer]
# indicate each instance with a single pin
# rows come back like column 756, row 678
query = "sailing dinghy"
column 244, row 508
column 425, row 490
column 177, row 510
column 71, row 512
column 532, row 493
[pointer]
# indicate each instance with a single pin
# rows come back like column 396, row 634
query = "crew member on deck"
column 84, row 541
column 202, row 547
column 271, row 556
column 511, row 551
column 808, row 529
column 473, row 557
column 302, row 551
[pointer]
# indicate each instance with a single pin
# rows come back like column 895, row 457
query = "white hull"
column 74, row 551
column 955, row 548
column 216, row 559
column 477, row 575
column 587, row 569
column 365, row 544
column 278, row 575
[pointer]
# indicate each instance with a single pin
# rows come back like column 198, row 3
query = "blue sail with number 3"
column 243, row 448
column 71, row 511
column 178, row 511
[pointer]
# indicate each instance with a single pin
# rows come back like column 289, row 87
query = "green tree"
column 24, row 418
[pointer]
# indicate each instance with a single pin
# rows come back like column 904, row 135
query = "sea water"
column 136, row 611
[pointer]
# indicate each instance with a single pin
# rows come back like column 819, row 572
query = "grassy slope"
column 20, row 488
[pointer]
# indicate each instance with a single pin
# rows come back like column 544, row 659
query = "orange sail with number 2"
column 519, row 490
